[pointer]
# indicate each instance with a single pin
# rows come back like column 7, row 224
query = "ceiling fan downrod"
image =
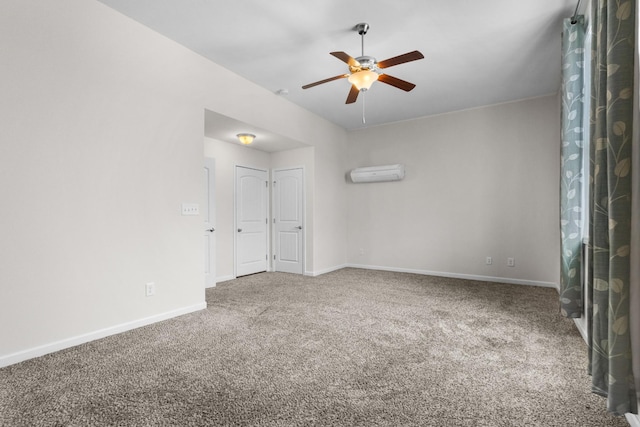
column 362, row 28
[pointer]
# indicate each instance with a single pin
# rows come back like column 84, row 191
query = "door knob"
column 211, row 230
column 299, row 227
column 239, row 230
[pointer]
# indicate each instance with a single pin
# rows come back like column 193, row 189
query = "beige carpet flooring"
column 349, row 348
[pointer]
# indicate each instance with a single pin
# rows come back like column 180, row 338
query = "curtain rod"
column 575, row 14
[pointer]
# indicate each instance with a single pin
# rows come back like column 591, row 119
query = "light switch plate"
column 150, row 289
column 190, row 209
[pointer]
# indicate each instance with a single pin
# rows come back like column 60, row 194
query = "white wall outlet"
column 190, row 209
column 150, row 289
column 489, row 260
column 511, row 262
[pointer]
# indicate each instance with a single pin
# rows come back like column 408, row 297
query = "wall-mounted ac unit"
column 378, row 173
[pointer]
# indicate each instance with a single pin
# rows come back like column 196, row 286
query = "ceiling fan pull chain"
column 363, row 98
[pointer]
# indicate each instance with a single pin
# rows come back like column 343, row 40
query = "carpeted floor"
column 349, row 348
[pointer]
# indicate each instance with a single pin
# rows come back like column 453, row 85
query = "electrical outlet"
column 511, row 262
column 190, row 209
column 489, row 260
column 150, row 289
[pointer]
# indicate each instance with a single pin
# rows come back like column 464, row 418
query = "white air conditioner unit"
column 378, row 173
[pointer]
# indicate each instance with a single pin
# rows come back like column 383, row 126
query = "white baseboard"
column 220, row 280
column 633, row 420
column 325, row 271
column 581, row 325
column 457, row 275
column 225, row 278
column 436, row 273
column 31, row 353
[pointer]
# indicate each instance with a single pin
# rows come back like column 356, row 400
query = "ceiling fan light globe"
column 363, row 79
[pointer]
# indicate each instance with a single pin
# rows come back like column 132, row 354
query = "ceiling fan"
column 364, row 70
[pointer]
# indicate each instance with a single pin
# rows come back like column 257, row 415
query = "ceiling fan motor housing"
column 364, row 63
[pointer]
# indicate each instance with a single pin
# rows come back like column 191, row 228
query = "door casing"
column 209, row 214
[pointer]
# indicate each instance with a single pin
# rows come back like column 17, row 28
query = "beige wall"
column 330, row 208
column 98, row 150
column 482, row 182
column 102, row 140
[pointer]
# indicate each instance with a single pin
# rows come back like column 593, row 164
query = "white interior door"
column 251, row 220
column 209, row 222
column 288, row 196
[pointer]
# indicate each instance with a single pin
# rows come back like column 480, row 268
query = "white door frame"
column 210, row 224
column 235, row 217
column 272, row 256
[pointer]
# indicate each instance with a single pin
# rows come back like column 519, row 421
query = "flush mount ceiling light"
column 246, row 138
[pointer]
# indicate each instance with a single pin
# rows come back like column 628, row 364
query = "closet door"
column 288, row 200
column 251, row 220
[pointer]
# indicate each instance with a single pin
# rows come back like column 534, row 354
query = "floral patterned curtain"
column 571, row 174
column 608, row 281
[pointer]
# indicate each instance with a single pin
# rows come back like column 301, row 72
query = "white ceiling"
column 476, row 52
column 223, row 128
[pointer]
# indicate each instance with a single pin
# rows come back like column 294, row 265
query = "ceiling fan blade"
column 346, row 58
column 330, row 79
column 396, row 82
column 400, row 59
column 353, row 95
